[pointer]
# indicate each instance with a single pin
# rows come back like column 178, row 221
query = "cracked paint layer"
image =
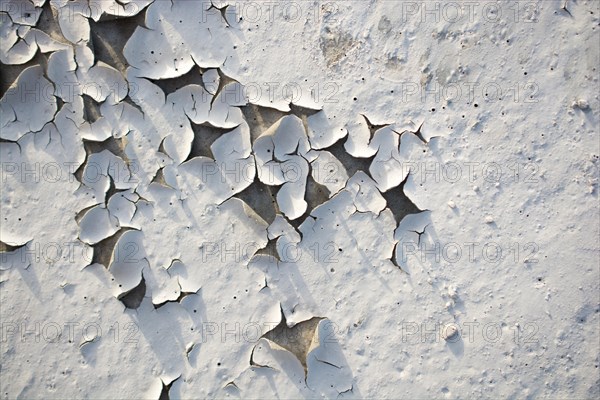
column 199, row 204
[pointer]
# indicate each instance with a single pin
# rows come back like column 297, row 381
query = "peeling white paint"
column 199, row 203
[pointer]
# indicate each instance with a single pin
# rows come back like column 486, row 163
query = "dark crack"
column 399, row 203
column 134, row 297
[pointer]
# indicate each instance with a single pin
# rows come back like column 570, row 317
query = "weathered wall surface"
column 299, row 199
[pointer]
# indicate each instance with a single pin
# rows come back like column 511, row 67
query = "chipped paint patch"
column 240, row 199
